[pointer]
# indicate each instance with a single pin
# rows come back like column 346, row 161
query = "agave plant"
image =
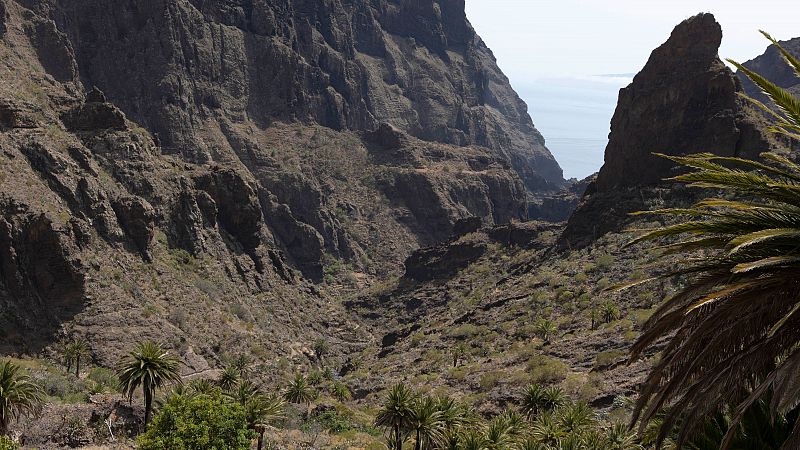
column 732, row 329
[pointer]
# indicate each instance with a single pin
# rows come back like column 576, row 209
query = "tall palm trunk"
column 398, row 438
column 418, row 443
column 261, row 438
column 148, row 405
column 77, row 366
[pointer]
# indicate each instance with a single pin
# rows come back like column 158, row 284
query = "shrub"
column 544, row 369
column 489, row 380
column 7, row 444
column 202, row 421
column 604, row 261
column 333, row 422
column 106, row 379
column 464, row 331
column 604, row 359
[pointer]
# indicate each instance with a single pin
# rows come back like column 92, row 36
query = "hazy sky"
column 534, row 38
column 554, row 51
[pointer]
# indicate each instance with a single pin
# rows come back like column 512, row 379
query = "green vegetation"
column 299, row 391
column 732, row 329
column 550, row 421
column 72, row 351
column 196, row 423
column 7, row 444
column 396, row 414
column 150, row 367
column 19, row 395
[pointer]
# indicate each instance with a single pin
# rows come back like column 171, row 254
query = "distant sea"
column 574, row 115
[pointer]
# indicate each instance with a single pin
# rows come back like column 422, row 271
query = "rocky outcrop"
column 443, row 261
column 347, row 65
column 137, row 219
column 42, row 281
column 13, row 115
column 683, row 101
column 2, row 18
column 559, row 205
column 95, row 114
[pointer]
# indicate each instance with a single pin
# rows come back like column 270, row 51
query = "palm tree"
column 262, row 411
column 545, row 328
column 609, row 311
column 243, row 391
column 533, row 400
column 340, row 390
column 575, row 417
column 241, row 364
column 78, row 348
column 396, row 414
column 426, row 423
column 150, row 367
column 459, row 353
column 19, row 395
column 472, row 439
column 64, row 349
column 554, row 398
column 229, row 378
column 454, row 414
column 594, row 316
column 546, row 430
column 203, row 386
column 321, row 348
column 620, row 437
column 732, row 329
column 298, row 391
column 499, row 434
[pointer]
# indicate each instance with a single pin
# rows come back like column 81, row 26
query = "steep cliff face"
column 684, row 100
column 219, row 82
column 183, row 68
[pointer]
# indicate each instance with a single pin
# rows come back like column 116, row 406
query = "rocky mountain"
column 684, row 100
column 164, row 159
column 254, row 177
column 772, row 65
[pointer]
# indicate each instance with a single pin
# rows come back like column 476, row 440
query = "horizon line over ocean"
column 574, row 116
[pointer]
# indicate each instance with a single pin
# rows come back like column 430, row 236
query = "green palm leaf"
column 731, row 331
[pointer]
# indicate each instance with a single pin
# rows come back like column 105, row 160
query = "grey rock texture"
column 181, row 66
